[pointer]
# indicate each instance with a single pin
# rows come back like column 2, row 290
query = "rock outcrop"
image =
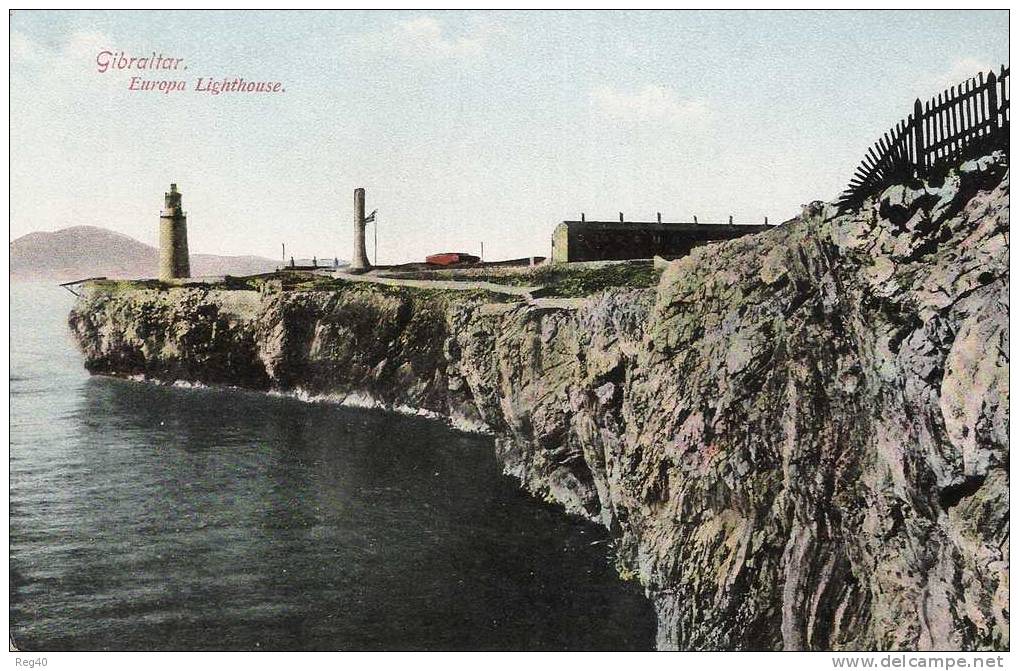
column 799, row 440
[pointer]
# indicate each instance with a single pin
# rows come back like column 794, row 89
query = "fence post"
column 1004, row 100
column 992, row 99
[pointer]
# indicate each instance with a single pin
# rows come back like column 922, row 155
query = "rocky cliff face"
column 799, row 440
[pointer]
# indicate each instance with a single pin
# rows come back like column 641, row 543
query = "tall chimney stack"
column 174, row 262
column 360, row 260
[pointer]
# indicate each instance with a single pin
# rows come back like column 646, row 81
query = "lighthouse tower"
column 174, row 262
column 360, row 260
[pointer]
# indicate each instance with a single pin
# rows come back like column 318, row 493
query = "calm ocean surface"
column 151, row 518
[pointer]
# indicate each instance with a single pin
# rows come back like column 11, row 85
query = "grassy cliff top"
column 567, row 280
column 558, row 280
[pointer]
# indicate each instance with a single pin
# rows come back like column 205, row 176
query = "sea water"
column 148, row 517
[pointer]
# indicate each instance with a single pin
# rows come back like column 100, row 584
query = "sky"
column 464, row 127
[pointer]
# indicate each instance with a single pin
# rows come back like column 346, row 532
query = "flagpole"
column 376, row 222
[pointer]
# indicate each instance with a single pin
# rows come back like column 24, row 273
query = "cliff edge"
column 799, row 439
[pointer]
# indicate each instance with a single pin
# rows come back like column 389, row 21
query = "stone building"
column 620, row 240
column 174, row 261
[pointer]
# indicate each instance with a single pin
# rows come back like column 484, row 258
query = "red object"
column 451, row 258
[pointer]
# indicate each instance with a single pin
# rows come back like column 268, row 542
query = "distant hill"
column 89, row 251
